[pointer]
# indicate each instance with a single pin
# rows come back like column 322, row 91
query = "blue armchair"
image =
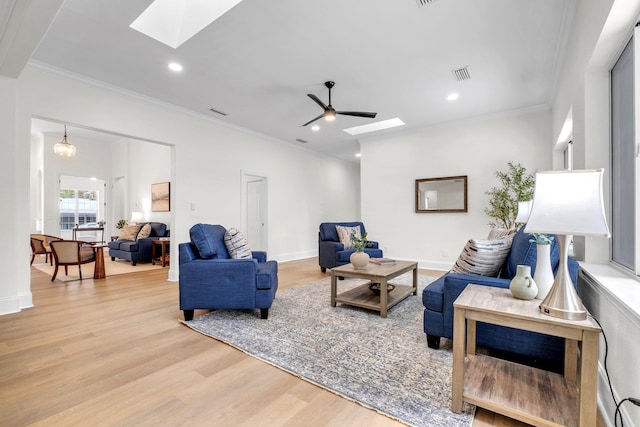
column 331, row 253
column 210, row 279
column 533, row 348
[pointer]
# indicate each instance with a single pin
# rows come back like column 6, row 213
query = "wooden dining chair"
column 71, row 252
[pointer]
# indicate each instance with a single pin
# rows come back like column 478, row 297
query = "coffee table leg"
column 383, row 298
column 415, row 280
column 334, row 284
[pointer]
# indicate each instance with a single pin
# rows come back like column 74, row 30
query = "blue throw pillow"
column 209, row 240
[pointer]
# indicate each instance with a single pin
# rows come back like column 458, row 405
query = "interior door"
column 256, row 213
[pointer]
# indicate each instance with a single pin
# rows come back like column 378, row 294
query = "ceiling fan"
column 329, row 113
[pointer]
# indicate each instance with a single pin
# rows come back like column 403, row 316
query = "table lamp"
column 136, row 217
column 567, row 203
column 523, row 211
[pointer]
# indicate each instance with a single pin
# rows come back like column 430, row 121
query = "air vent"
column 424, row 2
column 222, row 113
column 301, row 140
column 461, row 74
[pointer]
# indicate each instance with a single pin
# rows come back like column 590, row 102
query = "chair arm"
column 371, row 244
column 260, row 256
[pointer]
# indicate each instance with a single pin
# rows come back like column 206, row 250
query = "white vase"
column 543, row 275
column 359, row 260
column 522, row 285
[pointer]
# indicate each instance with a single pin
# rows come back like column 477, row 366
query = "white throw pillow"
column 236, row 244
column 344, row 234
column 483, row 257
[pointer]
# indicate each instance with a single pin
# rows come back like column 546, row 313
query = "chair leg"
column 55, row 273
column 433, row 341
column 323, row 269
column 66, row 270
column 264, row 313
column 50, row 257
column 188, row 315
column 80, row 271
column 33, row 256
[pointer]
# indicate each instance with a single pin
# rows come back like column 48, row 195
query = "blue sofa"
column 139, row 249
column 331, row 253
column 210, row 279
column 533, row 348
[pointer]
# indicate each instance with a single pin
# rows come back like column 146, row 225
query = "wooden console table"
column 527, row 394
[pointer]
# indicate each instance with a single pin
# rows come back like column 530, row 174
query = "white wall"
column 599, row 31
column 148, row 163
column 305, row 188
column 476, row 148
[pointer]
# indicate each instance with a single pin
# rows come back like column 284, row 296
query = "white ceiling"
column 259, row 60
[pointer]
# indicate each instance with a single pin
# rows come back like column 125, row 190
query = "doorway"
column 254, row 189
column 81, row 203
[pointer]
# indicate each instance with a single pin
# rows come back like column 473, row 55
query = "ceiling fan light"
column 330, row 115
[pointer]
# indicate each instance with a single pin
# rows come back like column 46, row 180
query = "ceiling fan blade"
column 313, row 120
column 357, row 114
column 317, row 100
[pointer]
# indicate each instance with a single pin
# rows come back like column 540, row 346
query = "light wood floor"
column 112, row 352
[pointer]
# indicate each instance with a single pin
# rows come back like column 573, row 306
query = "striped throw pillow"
column 236, row 244
column 344, row 234
column 483, row 257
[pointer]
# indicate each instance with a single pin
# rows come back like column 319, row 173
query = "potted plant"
column 543, row 276
column 121, row 223
column 359, row 259
column 516, row 186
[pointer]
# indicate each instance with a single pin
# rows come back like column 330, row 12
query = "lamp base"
column 562, row 300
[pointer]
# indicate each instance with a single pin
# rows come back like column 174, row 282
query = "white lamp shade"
column 136, row 217
column 523, row 211
column 568, row 202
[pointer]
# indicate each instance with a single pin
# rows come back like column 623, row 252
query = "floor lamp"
column 567, row 203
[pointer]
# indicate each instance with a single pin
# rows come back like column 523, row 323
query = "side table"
column 98, row 269
column 521, row 392
column 164, row 251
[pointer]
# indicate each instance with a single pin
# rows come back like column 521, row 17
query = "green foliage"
column 121, row 223
column 359, row 243
column 516, row 185
column 541, row 238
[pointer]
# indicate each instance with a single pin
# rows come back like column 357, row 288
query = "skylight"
column 372, row 127
column 174, row 22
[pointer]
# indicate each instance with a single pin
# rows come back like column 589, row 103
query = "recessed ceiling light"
column 174, row 66
column 372, row 127
column 174, row 22
column 315, row 128
column 358, row 154
column 453, row 96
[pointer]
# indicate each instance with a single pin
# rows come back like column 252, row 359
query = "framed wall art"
column 160, row 197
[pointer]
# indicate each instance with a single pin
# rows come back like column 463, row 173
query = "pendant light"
column 64, row 148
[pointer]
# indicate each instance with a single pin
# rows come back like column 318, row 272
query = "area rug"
column 383, row 364
column 112, row 268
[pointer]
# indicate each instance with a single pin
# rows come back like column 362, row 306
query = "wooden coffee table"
column 362, row 296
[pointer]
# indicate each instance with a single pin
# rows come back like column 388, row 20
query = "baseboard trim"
column 9, row 305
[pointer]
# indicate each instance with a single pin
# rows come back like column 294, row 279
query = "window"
column 77, row 207
column 623, row 161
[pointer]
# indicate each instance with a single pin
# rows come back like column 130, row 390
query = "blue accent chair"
column 210, row 279
column 533, row 348
column 331, row 253
column 139, row 249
